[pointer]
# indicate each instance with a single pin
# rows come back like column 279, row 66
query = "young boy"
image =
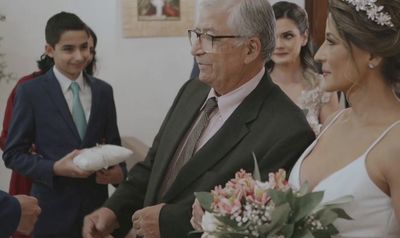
column 62, row 111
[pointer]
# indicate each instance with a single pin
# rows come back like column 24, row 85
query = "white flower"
column 263, row 185
column 208, row 235
column 209, row 223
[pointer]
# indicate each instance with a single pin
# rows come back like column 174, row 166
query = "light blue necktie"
column 78, row 114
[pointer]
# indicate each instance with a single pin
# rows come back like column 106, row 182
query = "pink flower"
column 278, row 180
column 226, row 200
column 260, row 196
column 227, row 206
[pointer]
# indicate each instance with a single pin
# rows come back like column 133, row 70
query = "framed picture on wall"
column 157, row 18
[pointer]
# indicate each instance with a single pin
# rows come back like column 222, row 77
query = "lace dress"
column 371, row 209
column 311, row 102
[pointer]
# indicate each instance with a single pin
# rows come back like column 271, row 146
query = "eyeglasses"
column 206, row 40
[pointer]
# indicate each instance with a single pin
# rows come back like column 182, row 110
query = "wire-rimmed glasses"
column 206, row 39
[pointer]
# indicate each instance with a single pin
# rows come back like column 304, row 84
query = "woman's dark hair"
column 91, row 67
column 45, row 63
column 299, row 16
column 357, row 29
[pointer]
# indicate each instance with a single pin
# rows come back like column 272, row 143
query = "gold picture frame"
column 141, row 18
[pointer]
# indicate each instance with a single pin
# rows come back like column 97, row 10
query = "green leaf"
column 303, row 189
column 226, row 220
column 279, row 218
column 205, row 200
column 256, row 172
column 309, row 235
column 326, row 216
column 231, row 234
column 304, row 233
column 278, row 197
column 341, row 213
column 306, row 204
column 287, row 230
column 194, row 233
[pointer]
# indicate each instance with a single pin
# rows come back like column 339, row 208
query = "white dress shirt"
column 85, row 92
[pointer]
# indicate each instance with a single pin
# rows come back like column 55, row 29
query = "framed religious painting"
column 157, row 18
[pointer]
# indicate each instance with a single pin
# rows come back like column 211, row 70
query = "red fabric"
column 170, row 10
column 18, row 184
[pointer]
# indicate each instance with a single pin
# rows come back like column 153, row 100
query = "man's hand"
column 99, row 223
column 197, row 216
column 113, row 175
column 30, row 211
column 145, row 221
column 66, row 167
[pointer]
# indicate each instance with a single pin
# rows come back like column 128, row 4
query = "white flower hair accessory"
column 373, row 11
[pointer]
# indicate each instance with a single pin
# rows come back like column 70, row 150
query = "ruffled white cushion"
column 101, row 156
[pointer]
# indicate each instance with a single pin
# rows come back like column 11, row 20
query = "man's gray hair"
column 248, row 18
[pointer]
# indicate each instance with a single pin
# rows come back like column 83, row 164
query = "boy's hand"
column 112, row 175
column 66, row 167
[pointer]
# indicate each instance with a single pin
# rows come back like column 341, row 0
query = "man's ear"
column 253, row 49
column 49, row 50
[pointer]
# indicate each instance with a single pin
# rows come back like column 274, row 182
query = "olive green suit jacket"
column 267, row 123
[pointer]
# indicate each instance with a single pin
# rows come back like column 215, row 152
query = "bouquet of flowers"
column 247, row 207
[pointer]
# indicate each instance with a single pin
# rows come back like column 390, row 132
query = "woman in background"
column 292, row 66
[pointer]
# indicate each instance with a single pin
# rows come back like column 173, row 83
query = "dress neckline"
column 362, row 156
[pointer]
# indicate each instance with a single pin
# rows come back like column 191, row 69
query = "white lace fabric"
column 311, row 102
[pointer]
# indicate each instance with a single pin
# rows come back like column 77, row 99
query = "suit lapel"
column 54, row 90
column 181, row 119
column 224, row 141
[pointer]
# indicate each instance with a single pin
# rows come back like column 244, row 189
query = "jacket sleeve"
column 130, row 194
column 10, row 213
column 17, row 154
column 10, row 106
column 7, row 119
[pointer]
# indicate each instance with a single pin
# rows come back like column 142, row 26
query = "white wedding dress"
column 371, row 209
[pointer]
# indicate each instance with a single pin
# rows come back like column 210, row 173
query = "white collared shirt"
column 85, row 92
column 227, row 104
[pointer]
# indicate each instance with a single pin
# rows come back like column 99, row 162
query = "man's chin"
column 205, row 79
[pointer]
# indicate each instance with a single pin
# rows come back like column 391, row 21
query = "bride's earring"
column 371, row 66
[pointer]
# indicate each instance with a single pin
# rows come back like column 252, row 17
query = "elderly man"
column 214, row 125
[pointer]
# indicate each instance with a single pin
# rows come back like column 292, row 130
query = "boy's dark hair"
column 60, row 23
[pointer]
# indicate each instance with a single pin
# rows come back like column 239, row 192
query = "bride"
column 358, row 151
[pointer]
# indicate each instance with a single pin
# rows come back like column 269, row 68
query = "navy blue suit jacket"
column 41, row 116
column 10, row 212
